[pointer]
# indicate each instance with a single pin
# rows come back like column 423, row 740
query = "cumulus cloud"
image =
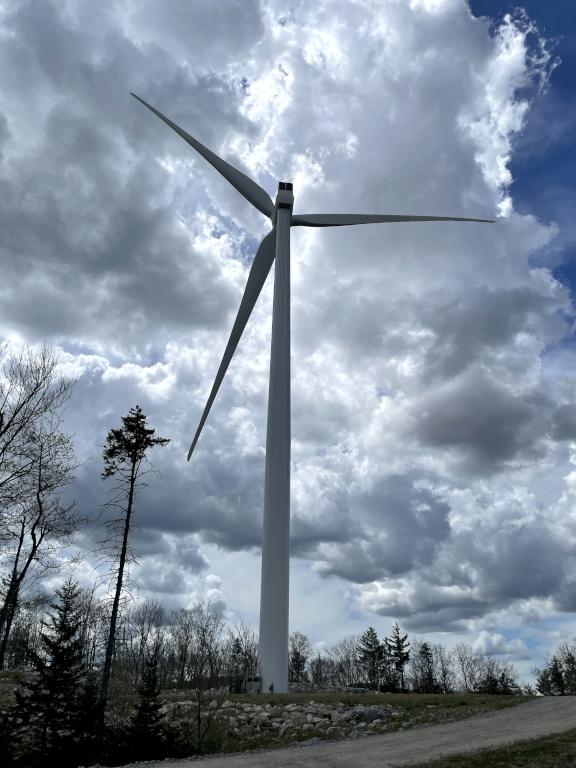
column 487, row 424
column 495, row 644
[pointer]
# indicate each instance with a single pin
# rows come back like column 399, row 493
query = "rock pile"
column 334, row 720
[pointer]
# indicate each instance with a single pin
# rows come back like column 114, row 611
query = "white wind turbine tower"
column 273, row 651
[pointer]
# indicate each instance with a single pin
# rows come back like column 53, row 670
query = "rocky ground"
column 333, row 720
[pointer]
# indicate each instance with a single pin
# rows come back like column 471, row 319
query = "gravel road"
column 526, row 721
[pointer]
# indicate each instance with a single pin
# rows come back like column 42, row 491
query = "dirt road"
column 527, row 721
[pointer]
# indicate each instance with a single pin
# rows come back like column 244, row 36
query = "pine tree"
column 237, row 664
column 46, row 716
column 124, row 454
column 298, row 654
column 88, row 717
column 543, row 682
column 557, row 677
column 370, row 657
column 399, row 649
column 148, row 731
column 428, row 683
column 566, row 655
column 390, row 675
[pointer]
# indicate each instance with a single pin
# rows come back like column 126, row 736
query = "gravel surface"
column 541, row 717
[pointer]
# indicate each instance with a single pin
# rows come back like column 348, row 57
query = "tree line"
column 396, row 665
column 192, row 648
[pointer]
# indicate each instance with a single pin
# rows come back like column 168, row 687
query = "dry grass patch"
column 549, row 752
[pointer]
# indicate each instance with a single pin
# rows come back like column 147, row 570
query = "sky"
column 433, row 386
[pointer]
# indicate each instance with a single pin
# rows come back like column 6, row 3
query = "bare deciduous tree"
column 248, row 643
column 36, row 523
column 31, row 391
column 24, row 640
column 468, row 666
column 322, row 671
column 444, row 668
column 93, row 621
column 146, row 636
column 345, row 656
column 207, row 630
column 182, row 637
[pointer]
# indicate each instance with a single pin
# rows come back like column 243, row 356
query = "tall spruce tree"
column 557, row 681
column 124, row 458
column 48, row 715
column 370, row 657
column 236, row 665
column 148, row 730
column 399, row 649
column 427, row 682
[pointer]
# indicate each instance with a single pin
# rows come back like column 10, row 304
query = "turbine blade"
column 253, row 192
column 346, row 219
column 258, row 274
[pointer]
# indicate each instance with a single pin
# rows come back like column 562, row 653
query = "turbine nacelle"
column 284, row 198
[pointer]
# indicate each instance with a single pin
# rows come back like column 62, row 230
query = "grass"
column 415, row 708
column 408, row 701
column 549, row 752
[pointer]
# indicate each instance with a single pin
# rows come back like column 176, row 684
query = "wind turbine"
column 273, row 651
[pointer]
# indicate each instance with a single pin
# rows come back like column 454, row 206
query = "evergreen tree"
column 47, row 714
column 298, row 654
column 390, row 675
column 236, row 665
column 370, row 657
column 566, row 655
column 124, row 455
column 543, row 683
column 399, row 649
column 428, row 683
column 88, row 705
column 558, row 677
column 148, row 730
column 557, row 683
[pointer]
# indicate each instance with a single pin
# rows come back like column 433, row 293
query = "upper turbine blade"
column 345, row 219
column 258, row 274
column 252, row 192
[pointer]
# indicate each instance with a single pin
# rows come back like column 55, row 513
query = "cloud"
column 488, row 323
column 489, row 425
column 565, row 422
column 495, row 644
column 397, row 528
